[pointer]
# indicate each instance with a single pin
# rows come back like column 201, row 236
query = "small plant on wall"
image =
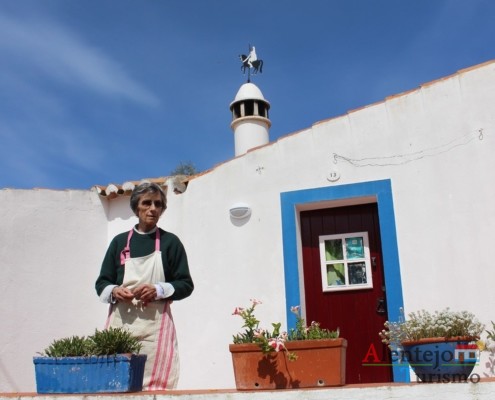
column 105, row 342
column 452, row 335
column 274, row 340
column 107, row 361
column 489, row 346
column 425, row 324
column 261, row 356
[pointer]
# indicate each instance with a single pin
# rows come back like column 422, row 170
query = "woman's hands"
column 121, row 293
column 145, row 292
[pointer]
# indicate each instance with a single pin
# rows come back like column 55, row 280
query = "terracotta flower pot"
column 442, row 359
column 319, row 363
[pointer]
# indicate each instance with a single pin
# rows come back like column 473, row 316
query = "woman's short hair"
column 143, row 188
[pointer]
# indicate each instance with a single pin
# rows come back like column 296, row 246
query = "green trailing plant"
column 109, row 341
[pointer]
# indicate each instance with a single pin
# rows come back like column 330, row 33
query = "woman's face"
column 149, row 210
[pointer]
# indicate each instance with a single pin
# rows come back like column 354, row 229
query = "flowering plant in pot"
column 440, row 346
column 107, row 361
column 488, row 345
column 271, row 358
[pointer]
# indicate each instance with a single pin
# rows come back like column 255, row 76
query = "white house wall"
column 443, row 204
column 426, row 142
column 50, row 247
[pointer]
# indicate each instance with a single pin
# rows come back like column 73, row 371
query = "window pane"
column 357, row 273
column 333, row 250
column 335, row 274
column 354, row 247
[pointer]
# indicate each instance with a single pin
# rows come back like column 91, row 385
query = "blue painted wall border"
column 382, row 191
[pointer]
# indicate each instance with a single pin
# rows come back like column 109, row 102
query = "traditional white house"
column 388, row 206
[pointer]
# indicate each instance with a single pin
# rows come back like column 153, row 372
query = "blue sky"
column 106, row 91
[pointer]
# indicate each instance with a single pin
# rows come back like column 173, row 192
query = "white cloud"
column 49, row 50
column 49, row 78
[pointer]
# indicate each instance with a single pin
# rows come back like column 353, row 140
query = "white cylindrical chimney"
column 250, row 121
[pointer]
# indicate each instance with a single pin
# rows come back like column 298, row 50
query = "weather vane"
column 251, row 63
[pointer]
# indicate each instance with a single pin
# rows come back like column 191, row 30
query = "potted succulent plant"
column 440, row 346
column 107, row 361
column 306, row 356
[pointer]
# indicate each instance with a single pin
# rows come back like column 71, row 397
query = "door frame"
column 380, row 192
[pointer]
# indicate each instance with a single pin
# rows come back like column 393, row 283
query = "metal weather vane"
column 251, row 63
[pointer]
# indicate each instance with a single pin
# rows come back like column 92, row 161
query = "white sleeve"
column 106, row 295
column 164, row 290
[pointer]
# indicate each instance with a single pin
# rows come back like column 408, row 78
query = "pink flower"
column 276, row 344
column 238, row 311
column 255, row 302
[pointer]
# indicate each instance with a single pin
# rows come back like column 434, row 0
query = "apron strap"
column 157, row 239
column 126, row 253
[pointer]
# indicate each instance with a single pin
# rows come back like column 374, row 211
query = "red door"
column 360, row 314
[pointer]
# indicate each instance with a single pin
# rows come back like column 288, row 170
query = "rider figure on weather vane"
column 251, row 61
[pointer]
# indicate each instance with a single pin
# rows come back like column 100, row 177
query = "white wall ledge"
column 483, row 390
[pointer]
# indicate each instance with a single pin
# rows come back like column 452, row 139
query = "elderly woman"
column 143, row 271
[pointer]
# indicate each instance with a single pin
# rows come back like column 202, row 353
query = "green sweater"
column 174, row 260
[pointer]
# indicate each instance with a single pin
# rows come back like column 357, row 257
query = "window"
column 345, row 262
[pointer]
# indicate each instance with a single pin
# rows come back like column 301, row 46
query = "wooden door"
column 359, row 313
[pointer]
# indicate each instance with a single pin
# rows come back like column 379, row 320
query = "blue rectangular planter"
column 103, row 374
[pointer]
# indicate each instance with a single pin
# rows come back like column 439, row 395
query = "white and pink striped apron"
column 152, row 323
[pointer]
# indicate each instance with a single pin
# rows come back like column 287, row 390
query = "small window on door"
column 345, row 262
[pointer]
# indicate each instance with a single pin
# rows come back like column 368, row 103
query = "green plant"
column 184, row 168
column 313, row 331
column 105, row 342
column 253, row 333
column 75, row 346
column 489, row 343
column 114, row 341
column 491, row 334
column 424, row 324
column 275, row 340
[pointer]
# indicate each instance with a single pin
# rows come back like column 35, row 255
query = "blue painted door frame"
column 381, row 191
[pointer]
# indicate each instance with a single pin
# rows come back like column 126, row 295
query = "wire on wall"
column 400, row 159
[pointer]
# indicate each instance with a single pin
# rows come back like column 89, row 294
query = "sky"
column 94, row 92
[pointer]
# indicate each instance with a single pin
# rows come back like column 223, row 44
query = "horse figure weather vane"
column 251, row 62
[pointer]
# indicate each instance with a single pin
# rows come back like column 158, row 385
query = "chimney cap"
column 249, row 91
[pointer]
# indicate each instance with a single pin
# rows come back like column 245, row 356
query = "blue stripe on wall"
column 382, row 191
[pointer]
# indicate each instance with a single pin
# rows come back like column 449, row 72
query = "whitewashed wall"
column 51, row 244
column 443, row 202
column 426, row 142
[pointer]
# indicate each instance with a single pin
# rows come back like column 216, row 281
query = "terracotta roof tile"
column 112, row 190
